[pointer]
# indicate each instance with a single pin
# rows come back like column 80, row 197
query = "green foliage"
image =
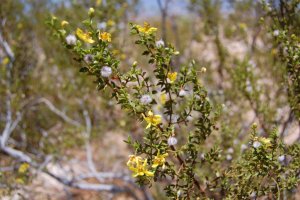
column 182, row 109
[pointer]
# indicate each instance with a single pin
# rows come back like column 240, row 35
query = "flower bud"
column 134, row 64
column 176, row 53
column 64, row 23
column 203, row 70
column 91, row 12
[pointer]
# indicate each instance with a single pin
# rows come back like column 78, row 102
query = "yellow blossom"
column 159, row 160
column 110, row 23
column 133, row 159
column 243, row 26
column 147, row 29
column 23, row 168
column 138, row 166
column 64, row 23
column 5, row 61
column 123, row 56
column 151, row 119
column 98, row 2
column 115, row 52
column 163, row 98
column 172, row 76
column 265, row 141
column 20, row 181
column 105, row 36
column 86, row 37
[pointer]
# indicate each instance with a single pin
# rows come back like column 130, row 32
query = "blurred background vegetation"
column 52, row 103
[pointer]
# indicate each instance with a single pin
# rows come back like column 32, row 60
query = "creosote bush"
column 178, row 118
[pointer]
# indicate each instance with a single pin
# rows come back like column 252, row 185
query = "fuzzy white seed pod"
column 88, row 58
column 230, row 150
column 101, row 26
column 276, row 33
column 145, row 99
column 160, row 43
column 256, row 144
column 228, row 157
column 178, row 193
column 174, row 118
column 244, row 147
column 202, row 156
column 172, row 141
column 189, row 118
column 253, row 195
column 182, row 93
column 106, row 71
column 71, row 39
column 281, row 158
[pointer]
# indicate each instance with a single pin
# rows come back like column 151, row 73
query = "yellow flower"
column 265, row 141
column 147, row 29
column 5, row 61
column 243, row 26
column 138, row 166
column 159, row 160
column 105, row 36
column 151, row 119
column 141, row 170
column 20, row 181
column 172, row 76
column 115, row 52
column 133, row 159
column 123, row 56
column 110, row 23
column 98, row 2
column 163, row 98
column 86, row 37
column 64, row 23
column 23, row 168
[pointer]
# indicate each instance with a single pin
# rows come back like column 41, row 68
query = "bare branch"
column 58, row 112
column 7, row 48
column 19, row 155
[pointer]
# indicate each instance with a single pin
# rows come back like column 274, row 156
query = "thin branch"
column 58, row 112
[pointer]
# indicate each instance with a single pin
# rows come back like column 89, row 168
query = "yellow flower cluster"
column 151, row 119
column 172, row 76
column 146, row 29
column 265, row 141
column 159, row 160
column 104, row 36
column 84, row 36
column 23, row 168
column 139, row 166
column 163, row 98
